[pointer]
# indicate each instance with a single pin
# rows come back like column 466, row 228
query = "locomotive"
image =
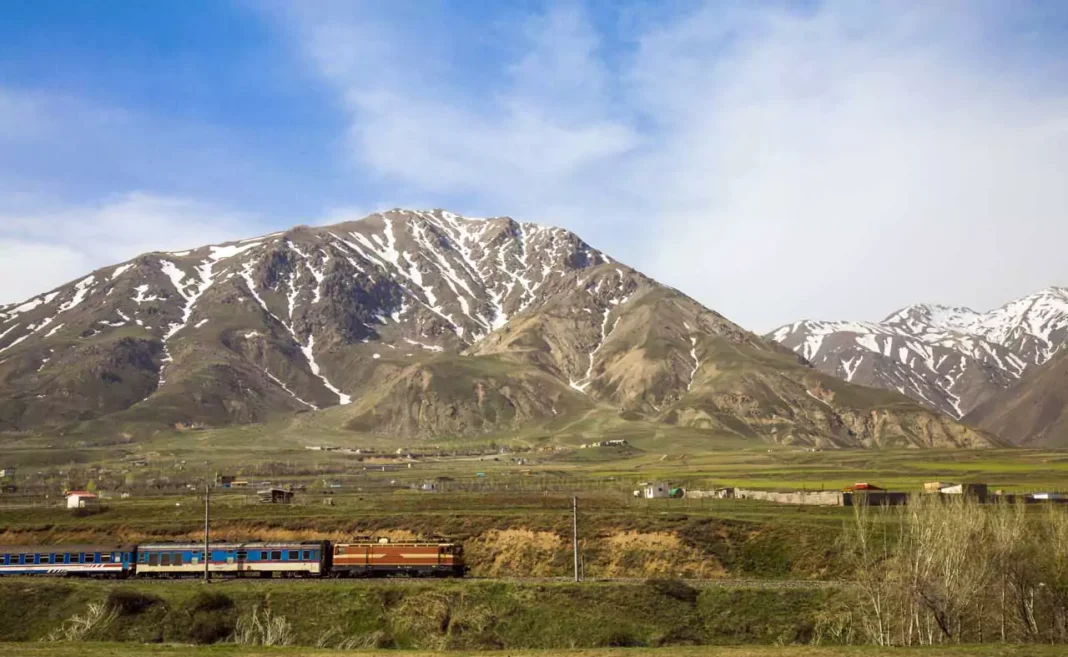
column 360, row 558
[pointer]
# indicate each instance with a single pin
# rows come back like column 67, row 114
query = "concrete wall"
column 809, row 498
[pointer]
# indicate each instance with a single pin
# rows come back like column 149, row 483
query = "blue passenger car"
column 254, row 559
column 68, row 560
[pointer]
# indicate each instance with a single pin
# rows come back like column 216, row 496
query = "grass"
column 418, row 615
column 126, row 650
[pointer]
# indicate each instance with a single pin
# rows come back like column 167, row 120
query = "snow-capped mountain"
column 950, row 359
column 417, row 323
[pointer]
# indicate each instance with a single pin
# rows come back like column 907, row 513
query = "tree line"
column 948, row 569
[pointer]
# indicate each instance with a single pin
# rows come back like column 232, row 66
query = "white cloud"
column 46, row 248
column 838, row 161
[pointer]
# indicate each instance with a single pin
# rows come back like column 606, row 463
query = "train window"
column 242, row 555
column 339, row 549
column 44, row 558
column 76, row 558
column 307, row 555
column 177, row 559
column 263, row 556
column 294, row 555
column 90, row 557
column 153, row 559
column 106, row 556
column 165, row 559
column 276, row 555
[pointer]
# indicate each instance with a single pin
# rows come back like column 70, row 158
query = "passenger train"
column 365, row 558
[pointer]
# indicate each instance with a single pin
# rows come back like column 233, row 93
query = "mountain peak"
column 419, row 323
column 949, row 358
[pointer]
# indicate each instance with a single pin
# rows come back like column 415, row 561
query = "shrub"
column 210, row 628
column 210, row 601
column 675, row 589
column 620, row 638
column 127, row 602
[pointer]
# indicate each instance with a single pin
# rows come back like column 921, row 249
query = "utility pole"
column 574, row 534
column 207, row 525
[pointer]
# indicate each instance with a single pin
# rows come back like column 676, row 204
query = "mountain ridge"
column 949, row 358
column 419, row 323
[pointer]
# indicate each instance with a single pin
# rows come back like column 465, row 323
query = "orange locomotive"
column 382, row 557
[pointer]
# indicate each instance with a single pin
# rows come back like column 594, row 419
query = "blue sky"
column 774, row 160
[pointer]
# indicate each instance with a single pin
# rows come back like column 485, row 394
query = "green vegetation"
column 409, row 615
column 127, row 650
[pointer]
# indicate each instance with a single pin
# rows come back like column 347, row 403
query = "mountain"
column 949, row 359
column 418, row 324
column 1034, row 411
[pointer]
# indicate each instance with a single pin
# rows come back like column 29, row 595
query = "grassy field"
column 125, row 650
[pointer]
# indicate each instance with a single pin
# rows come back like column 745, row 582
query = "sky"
column 774, row 160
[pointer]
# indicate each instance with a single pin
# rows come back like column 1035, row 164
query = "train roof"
column 231, row 545
column 35, row 549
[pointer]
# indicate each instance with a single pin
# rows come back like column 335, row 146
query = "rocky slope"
column 418, row 324
column 949, row 359
column 1034, row 411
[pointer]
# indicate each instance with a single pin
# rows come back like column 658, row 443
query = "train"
column 259, row 559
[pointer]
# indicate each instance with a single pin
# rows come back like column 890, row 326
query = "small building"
column 974, row 491
column 1050, row 497
column 7, row 472
column 224, row 481
column 655, row 490
column 862, row 486
column 79, row 499
column 275, row 496
column 936, row 486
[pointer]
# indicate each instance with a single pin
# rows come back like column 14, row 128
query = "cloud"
column 43, row 250
column 776, row 162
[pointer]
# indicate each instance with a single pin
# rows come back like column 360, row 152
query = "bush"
column 127, row 602
column 675, row 589
column 620, row 638
column 208, row 601
column 680, row 636
column 212, row 617
column 210, row 628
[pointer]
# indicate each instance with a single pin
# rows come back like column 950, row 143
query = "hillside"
column 949, row 359
column 417, row 324
column 1032, row 412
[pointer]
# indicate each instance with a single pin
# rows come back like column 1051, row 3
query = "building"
column 936, row 486
column 655, row 490
column 7, row 472
column 974, row 491
column 275, row 496
column 79, row 499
